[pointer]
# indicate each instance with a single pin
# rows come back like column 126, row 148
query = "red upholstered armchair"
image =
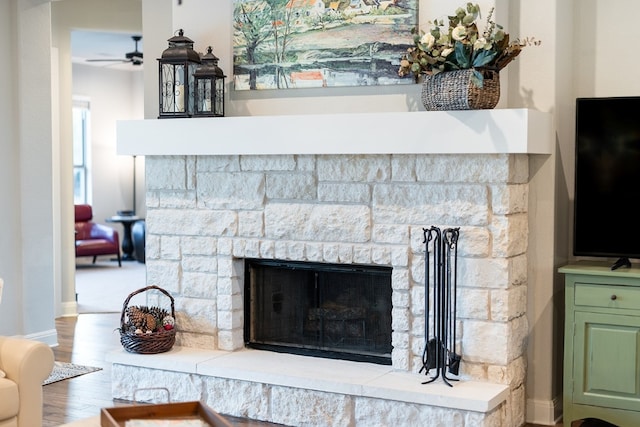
column 94, row 239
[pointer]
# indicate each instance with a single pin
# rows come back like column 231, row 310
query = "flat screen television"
column 607, row 179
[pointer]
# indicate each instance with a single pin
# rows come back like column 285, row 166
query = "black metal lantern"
column 176, row 67
column 209, row 87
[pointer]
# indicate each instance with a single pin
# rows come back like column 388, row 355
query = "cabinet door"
column 607, row 360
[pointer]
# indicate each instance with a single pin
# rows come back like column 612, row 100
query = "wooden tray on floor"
column 118, row 416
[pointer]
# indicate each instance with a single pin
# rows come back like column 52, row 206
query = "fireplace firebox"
column 338, row 311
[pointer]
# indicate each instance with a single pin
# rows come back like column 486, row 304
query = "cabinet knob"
column 614, row 297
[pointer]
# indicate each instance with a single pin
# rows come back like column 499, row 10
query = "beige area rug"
column 64, row 371
column 103, row 287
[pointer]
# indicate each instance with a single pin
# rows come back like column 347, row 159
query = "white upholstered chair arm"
column 28, row 363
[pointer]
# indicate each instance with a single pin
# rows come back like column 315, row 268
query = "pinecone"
column 150, row 322
column 136, row 317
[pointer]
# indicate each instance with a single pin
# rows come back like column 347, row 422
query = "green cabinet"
column 602, row 344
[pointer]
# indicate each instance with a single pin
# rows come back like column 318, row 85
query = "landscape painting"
column 287, row 44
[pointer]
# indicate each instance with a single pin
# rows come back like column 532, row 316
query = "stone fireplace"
column 211, row 208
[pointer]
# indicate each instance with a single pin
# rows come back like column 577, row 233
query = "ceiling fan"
column 134, row 57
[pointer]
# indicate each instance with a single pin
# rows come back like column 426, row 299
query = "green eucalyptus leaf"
column 463, row 55
column 483, row 57
column 477, row 78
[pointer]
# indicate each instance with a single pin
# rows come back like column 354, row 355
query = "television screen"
column 607, row 178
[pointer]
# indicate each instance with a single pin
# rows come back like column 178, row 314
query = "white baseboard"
column 544, row 412
column 49, row 337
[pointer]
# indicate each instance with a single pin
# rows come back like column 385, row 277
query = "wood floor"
column 85, row 340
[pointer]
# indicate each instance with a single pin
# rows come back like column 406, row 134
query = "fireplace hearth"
column 318, row 309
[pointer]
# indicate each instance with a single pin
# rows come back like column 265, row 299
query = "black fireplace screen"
column 327, row 310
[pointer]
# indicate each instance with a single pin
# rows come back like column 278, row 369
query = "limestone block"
column 518, row 169
column 171, row 199
column 218, row 164
column 390, row 234
column 345, row 223
column 513, row 374
column 229, row 320
column 483, row 168
column 400, row 319
column 345, row 254
column 225, row 267
column 399, row 256
column 381, row 255
column 203, row 264
column 199, row 223
column 194, row 314
column 166, row 173
column 196, row 340
column 267, row 249
column 400, row 299
column 306, row 162
column 518, row 333
column 199, row 285
column 403, row 167
column 510, row 199
column 224, row 246
column 474, row 242
column 313, row 252
column 507, row 304
column 356, row 168
column 250, row 223
column 165, row 274
column 341, row 192
column 218, row 190
column 126, row 380
column 229, row 303
column 295, row 251
column 308, row 407
column 486, row 342
column 152, row 247
column 379, row 413
column 431, row 204
column 251, row 249
column 198, row 245
column 238, row 398
column 362, row 254
column 473, row 303
column 230, row 340
column 483, row 272
column 293, row 186
column 417, row 301
column 400, row 340
column 268, row 163
column 510, row 235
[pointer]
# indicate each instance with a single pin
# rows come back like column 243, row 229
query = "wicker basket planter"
column 454, row 90
column 159, row 340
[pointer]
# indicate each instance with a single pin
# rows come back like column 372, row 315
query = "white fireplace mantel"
column 501, row 131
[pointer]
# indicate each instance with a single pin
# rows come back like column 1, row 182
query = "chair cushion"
column 83, row 213
column 9, row 399
column 95, row 247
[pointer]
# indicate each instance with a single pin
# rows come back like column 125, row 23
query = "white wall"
column 26, row 169
column 113, row 95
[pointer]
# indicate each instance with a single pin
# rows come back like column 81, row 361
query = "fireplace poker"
column 439, row 351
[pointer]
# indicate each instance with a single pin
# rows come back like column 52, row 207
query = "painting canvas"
column 286, row 44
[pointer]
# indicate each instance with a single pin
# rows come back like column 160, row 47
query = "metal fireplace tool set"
column 440, row 264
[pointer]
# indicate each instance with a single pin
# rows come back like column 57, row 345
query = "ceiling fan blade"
column 135, row 57
column 108, row 60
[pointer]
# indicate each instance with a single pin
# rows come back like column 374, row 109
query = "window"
column 81, row 178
